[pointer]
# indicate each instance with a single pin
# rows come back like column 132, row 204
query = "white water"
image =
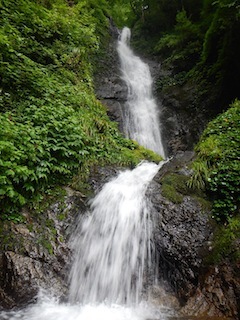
column 112, row 255
column 141, row 114
column 49, row 308
column 112, row 243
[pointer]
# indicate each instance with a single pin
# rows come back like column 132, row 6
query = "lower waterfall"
column 112, row 258
column 112, row 245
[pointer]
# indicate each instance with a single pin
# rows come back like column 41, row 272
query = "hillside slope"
column 51, row 124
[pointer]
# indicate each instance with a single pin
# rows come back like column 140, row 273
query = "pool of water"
column 198, row 318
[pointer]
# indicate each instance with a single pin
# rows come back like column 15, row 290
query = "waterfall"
column 112, row 256
column 141, row 114
column 112, row 242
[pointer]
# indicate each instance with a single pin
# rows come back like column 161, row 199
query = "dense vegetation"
column 198, row 39
column 51, row 125
column 216, row 169
column 217, row 166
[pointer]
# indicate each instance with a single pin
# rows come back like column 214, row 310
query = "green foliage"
column 51, row 125
column 135, row 153
column 169, row 192
column 200, row 176
column 219, row 62
column 121, row 12
column 7, row 238
column 182, row 46
column 159, row 16
column 217, row 165
column 200, row 38
column 225, row 242
column 174, row 187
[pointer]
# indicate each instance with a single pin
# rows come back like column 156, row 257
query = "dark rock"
column 183, row 116
column 115, row 111
column 179, row 163
column 100, row 175
column 36, row 254
column 182, row 232
column 110, row 89
column 113, row 30
column 182, row 237
column 218, row 292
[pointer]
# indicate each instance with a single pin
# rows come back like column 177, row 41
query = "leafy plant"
column 51, row 125
column 225, row 241
column 181, row 46
column 200, row 175
column 217, row 165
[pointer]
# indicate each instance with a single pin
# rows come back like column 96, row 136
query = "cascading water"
column 112, row 256
column 112, row 242
column 141, row 115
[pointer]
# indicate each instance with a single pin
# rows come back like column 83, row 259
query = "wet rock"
column 36, row 254
column 109, row 86
column 218, row 292
column 182, row 237
column 182, row 121
column 100, row 175
column 24, row 275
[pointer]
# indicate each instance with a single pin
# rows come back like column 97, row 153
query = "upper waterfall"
column 141, row 113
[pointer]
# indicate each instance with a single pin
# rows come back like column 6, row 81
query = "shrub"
column 219, row 151
column 226, row 242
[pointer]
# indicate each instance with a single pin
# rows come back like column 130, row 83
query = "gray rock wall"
column 183, row 239
column 36, row 254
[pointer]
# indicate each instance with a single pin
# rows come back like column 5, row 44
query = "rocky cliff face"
column 183, row 238
column 35, row 254
column 217, row 292
column 109, row 86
